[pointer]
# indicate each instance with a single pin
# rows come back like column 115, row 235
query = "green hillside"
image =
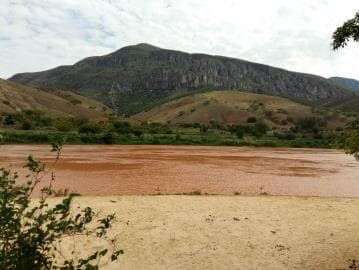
column 137, row 78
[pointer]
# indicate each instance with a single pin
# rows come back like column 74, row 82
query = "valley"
column 187, row 135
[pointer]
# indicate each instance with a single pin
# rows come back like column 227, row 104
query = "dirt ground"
column 140, row 170
column 230, row 232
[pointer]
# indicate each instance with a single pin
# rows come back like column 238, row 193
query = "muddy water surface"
column 112, row 170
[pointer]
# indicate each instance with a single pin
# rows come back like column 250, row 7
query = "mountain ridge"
column 352, row 84
column 139, row 77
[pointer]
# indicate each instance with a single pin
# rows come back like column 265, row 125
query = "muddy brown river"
column 136, row 170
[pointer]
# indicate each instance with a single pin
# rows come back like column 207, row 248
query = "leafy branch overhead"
column 349, row 30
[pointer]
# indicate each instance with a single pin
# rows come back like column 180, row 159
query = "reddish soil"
column 114, row 170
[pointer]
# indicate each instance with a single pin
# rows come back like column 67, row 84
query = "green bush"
column 63, row 125
column 121, row 127
column 31, row 230
column 26, row 125
column 9, row 120
column 203, row 128
column 109, row 138
column 90, row 128
column 26, row 137
column 138, row 133
column 258, row 129
column 349, row 141
column 251, row 119
column 285, row 135
column 156, row 128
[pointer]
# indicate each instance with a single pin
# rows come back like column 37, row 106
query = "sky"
column 292, row 34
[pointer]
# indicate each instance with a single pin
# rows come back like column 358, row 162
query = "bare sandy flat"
column 231, row 232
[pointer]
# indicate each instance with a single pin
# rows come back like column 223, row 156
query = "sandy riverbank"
column 231, row 232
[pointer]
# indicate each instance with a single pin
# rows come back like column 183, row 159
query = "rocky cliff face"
column 138, row 77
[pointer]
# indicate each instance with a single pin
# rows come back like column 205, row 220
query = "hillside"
column 232, row 107
column 16, row 97
column 139, row 77
column 349, row 83
column 351, row 105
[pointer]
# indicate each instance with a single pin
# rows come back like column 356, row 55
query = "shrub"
column 310, row 123
column 121, row 127
column 203, row 128
column 31, row 231
column 239, row 133
column 251, row 119
column 285, row 135
column 155, row 128
column 109, row 138
column 190, row 125
column 63, row 125
column 349, row 141
column 26, row 125
column 75, row 101
column 268, row 114
column 206, row 102
column 25, row 137
column 283, row 122
column 259, row 129
column 90, row 128
column 9, row 120
column 137, row 133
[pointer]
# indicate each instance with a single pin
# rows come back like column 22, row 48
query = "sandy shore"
column 231, row 232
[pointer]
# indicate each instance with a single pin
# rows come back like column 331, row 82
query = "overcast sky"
column 292, row 34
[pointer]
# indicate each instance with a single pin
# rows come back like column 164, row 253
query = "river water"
column 137, row 170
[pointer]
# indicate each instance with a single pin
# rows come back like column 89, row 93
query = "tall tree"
column 349, row 30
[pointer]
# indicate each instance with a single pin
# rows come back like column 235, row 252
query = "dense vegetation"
column 349, row 139
column 35, row 127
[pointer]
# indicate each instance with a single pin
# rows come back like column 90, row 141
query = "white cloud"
column 38, row 34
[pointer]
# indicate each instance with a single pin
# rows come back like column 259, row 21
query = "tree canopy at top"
column 349, row 29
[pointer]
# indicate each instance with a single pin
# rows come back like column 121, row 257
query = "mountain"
column 136, row 78
column 233, row 107
column 15, row 97
column 349, row 83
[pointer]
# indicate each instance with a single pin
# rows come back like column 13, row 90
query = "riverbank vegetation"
column 36, row 127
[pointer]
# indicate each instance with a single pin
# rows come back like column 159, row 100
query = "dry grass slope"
column 232, row 107
column 16, row 97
